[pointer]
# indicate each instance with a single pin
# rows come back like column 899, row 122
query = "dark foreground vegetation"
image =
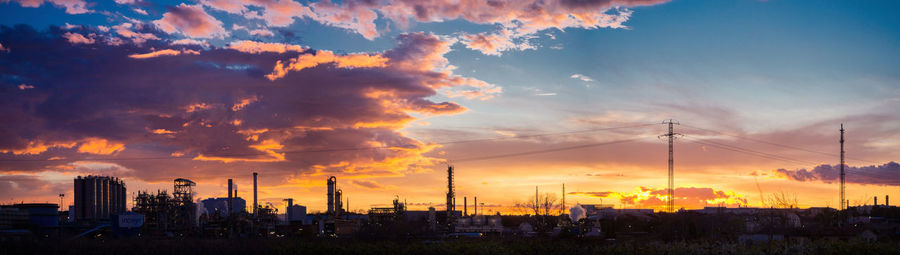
column 461, row 246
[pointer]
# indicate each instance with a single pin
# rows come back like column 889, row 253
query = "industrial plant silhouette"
column 99, row 213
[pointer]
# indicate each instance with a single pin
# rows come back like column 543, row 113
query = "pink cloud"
column 494, row 43
column 305, row 61
column 76, row 38
column 191, row 21
column 190, row 42
column 261, row 32
column 125, row 30
column 260, row 47
column 71, row 6
column 519, row 21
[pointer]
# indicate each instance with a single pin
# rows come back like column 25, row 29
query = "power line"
column 749, row 151
column 544, row 151
column 774, row 156
column 336, row 149
column 777, row 144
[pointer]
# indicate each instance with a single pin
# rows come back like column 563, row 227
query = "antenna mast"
column 670, row 192
column 842, row 168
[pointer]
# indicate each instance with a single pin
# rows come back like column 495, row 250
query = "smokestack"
column 476, row 206
column 886, row 201
column 465, row 207
column 254, row 193
column 230, row 187
column 876, row 201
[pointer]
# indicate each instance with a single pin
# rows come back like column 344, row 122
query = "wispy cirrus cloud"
column 581, row 77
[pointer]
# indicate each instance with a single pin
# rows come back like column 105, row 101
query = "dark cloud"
column 886, row 174
column 214, row 111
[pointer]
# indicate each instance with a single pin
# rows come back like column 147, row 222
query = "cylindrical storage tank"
column 332, row 181
column 464, row 221
column 478, row 220
column 495, row 221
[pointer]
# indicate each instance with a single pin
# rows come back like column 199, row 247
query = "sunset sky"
column 514, row 94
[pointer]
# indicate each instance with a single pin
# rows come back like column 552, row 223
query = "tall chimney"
column 254, row 193
column 886, row 201
column 876, row 201
column 230, row 188
column 476, row 206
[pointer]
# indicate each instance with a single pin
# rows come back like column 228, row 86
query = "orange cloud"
column 268, row 146
column 100, row 146
column 37, row 147
column 198, row 107
column 685, row 197
column 356, row 60
column 165, row 52
column 162, row 131
column 243, row 103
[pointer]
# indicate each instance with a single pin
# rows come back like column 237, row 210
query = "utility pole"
column 842, row 168
column 670, row 192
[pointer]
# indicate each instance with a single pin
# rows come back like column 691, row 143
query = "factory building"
column 98, row 197
column 220, row 205
column 297, row 213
